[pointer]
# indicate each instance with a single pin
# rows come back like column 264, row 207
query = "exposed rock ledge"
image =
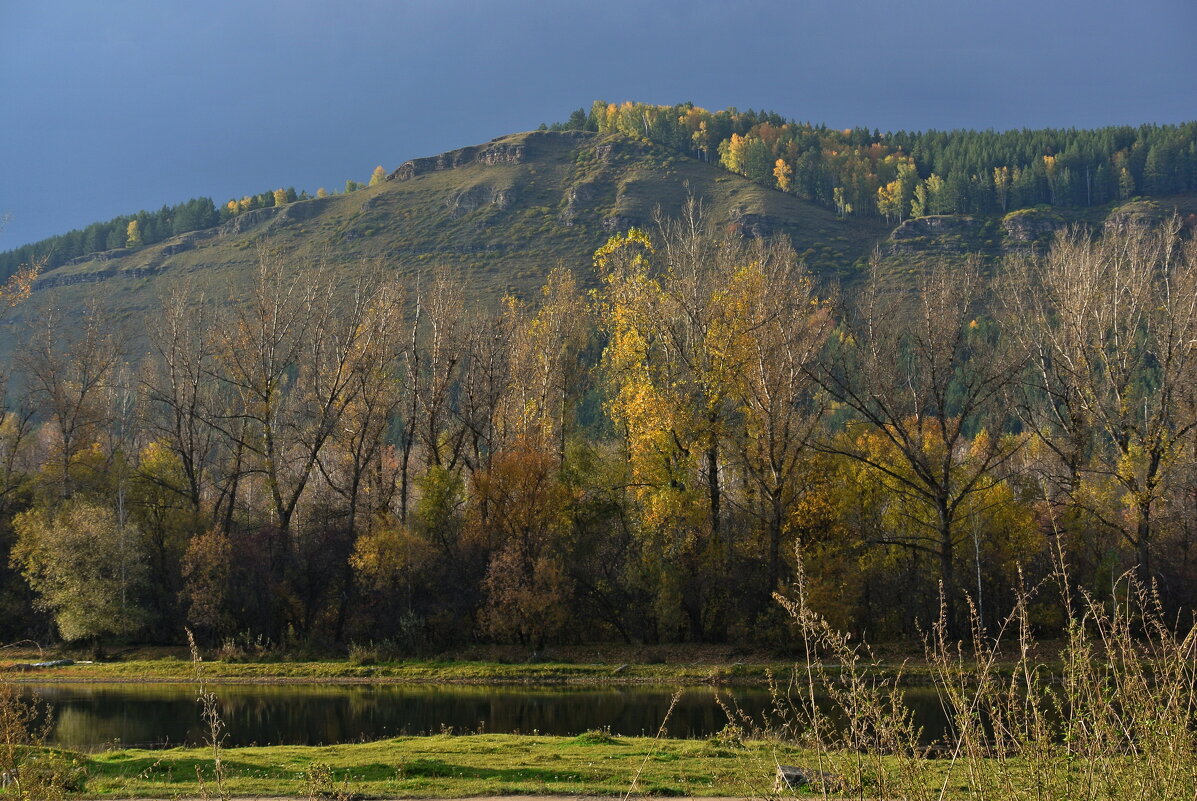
column 288, row 213
column 936, row 225
column 1026, row 228
column 54, row 279
column 944, row 233
column 505, row 150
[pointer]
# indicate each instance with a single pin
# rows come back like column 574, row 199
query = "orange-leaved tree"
column 528, row 590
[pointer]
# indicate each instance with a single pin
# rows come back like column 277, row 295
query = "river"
column 95, row 716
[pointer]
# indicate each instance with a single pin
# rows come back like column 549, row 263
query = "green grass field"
column 592, row 764
column 450, row 766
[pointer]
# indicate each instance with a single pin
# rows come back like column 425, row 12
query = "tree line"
column 150, row 227
column 913, row 174
column 855, row 171
column 129, row 230
column 330, row 461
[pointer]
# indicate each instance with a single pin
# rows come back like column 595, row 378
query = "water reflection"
column 92, row 715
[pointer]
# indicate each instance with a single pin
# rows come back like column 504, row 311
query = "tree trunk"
column 716, row 500
column 1143, row 546
column 947, row 573
column 775, row 542
column 404, row 481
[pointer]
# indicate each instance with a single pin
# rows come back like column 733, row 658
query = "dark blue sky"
column 111, row 106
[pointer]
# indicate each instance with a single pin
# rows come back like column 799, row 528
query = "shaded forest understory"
column 378, row 462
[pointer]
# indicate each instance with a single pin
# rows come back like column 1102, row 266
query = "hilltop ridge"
column 500, row 215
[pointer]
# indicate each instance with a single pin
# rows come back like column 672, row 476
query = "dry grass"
column 210, row 712
column 28, row 770
column 1111, row 716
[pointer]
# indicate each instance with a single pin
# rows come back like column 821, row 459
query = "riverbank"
column 596, row 765
column 666, row 666
column 610, row 665
column 161, row 671
column 593, row 764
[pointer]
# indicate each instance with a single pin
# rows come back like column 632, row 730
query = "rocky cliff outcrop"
column 578, row 197
column 506, row 150
column 943, row 233
column 55, row 279
column 477, row 196
column 758, row 226
column 936, row 225
column 247, row 219
column 1027, row 228
column 280, row 215
column 619, row 222
column 106, row 255
column 1137, row 214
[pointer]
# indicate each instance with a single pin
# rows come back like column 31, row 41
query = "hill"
column 499, row 214
column 503, row 213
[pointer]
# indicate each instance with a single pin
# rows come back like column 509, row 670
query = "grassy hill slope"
column 500, row 215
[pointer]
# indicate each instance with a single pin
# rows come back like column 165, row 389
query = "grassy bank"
column 451, row 766
column 1112, row 714
column 671, row 665
column 595, row 764
column 596, row 664
column 415, row 672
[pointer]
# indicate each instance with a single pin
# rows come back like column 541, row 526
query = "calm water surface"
column 94, row 715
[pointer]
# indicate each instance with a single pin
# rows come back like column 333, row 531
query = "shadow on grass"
column 180, row 769
column 439, row 769
column 183, row 770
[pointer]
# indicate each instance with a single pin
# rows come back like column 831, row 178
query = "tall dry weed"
column 1111, row 715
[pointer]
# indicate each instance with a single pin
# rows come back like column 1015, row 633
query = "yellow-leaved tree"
column 784, row 174
column 682, row 313
column 654, row 421
column 919, row 375
column 777, row 327
column 84, row 566
column 889, row 200
column 543, row 364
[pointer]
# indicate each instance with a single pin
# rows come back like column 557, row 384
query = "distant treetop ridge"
column 854, row 171
column 913, row 174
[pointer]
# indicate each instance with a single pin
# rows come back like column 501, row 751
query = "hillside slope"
column 500, row 215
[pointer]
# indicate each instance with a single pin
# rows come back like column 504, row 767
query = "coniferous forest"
column 913, row 174
column 387, row 461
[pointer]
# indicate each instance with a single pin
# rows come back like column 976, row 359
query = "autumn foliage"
column 376, row 460
column 901, row 174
